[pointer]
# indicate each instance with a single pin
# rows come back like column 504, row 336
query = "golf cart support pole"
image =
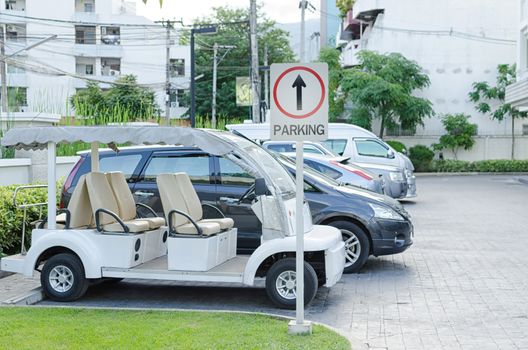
column 52, row 187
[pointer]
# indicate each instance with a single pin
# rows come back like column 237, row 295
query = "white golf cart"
column 99, row 235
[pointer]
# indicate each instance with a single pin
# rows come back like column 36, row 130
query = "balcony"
column 15, row 5
column 517, row 94
column 350, row 51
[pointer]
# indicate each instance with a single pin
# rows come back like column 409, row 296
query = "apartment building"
column 456, row 42
column 517, row 93
column 95, row 40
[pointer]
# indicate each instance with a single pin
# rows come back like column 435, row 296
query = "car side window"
column 196, row 166
column 280, row 148
column 123, row 163
column 326, row 170
column 309, row 188
column 232, row 174
column 311, row 149
column 337, row 146
column 371, row 148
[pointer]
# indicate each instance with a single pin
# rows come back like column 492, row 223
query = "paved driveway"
column 464, row 283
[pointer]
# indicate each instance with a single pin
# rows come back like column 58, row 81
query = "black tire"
column 357, row 254
column 73, row 282
column 285, row 266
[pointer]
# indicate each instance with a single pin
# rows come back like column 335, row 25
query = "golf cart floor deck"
column 157, row 269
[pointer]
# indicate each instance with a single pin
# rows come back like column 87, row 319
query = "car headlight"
column 396, row 176
column 383, row 212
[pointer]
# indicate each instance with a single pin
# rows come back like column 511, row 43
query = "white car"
column 99, row 235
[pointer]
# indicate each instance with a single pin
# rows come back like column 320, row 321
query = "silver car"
column 340, row 170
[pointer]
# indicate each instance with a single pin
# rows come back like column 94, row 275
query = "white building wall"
column 141, row 50
column 454, row 41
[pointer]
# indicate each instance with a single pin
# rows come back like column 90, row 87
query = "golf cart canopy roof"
column 38, row 137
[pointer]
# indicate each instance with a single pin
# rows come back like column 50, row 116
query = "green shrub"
column 398, row 146
column 11, row 219
column 421, row 157
column 482, row 166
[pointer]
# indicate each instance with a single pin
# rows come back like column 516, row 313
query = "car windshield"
column 280, row 176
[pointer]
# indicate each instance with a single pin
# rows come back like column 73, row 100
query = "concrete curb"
column 468, row 174
column 354, row 342
column 32, row 297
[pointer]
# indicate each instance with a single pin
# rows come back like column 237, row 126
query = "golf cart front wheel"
column 281, row 283
column 63, row 278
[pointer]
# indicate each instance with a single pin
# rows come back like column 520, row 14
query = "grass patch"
column 57, row 328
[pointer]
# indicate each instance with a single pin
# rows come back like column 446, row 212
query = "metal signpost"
column 299, row 112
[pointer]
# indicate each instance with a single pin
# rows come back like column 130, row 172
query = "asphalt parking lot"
column 462, row 285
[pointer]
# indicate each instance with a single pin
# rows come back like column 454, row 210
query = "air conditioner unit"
column 114, row 72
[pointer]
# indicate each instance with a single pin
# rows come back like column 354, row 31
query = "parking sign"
column 299, row 103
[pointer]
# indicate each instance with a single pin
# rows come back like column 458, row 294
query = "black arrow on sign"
column 299, row 84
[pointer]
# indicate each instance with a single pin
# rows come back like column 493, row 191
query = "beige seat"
column 105, row 208
column 172, row 198
column 195, row 206
column 78, row 207
column 125, row 200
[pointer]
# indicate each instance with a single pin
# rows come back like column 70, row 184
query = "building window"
column 15, row 5
column 85, row 6
column 179, row 98
column 110, row 66
column 16, row 32
column 17, row 98
column 525, row 130
column 85, row 65
column 85, row 35
column 177, row 67
column 111, row 35
column 397, row 130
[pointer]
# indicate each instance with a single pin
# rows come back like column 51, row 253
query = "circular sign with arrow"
column 299, row 92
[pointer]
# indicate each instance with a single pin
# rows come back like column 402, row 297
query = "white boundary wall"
column 18, row 171
column 485, row 148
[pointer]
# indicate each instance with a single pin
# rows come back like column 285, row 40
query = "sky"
column 282, row 11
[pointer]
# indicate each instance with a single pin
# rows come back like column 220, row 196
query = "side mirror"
column 261, row 189
column 390, row 154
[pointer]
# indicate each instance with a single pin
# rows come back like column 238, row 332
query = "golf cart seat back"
column 176, row 210
column 126, row 203
column 192, row 201
column 79, row 206
column 105, row 208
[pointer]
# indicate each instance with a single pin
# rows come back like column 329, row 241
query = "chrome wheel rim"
column 61, row 278
column 352, row 247
column 285, row 285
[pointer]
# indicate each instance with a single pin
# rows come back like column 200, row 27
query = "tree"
column 335, row 74
column 123, row 102
column 460, row 133
column 232, row 30
column 483, row 95
column 382, row 87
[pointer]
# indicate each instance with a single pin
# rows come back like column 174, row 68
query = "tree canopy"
column 335, row 73
column 233, row 30
column 382, row 87
column 460, row 133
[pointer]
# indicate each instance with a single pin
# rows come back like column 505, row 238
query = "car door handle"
column 143, row 194
column 228, row 199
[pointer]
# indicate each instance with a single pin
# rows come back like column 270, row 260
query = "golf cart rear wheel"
column 63, row 278
column 281, row 283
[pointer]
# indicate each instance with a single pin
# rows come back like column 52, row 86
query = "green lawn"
column 66, row 328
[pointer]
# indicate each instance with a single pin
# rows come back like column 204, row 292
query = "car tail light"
column 352, row 170
column 69, row 180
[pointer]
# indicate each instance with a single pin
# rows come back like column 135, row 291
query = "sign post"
column 299, row 112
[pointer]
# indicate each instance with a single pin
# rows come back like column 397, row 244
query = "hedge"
column 11, row 218
column 397, row 145
column 421, row 157
column 482, row 166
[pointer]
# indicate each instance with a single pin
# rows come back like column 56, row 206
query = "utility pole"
column 302, row 6
column 266, row 78
column 215, row 63
column 255, row 81
column 3, row 72
column 167, row 73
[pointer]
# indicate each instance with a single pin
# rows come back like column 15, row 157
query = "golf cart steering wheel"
column 247, row 193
